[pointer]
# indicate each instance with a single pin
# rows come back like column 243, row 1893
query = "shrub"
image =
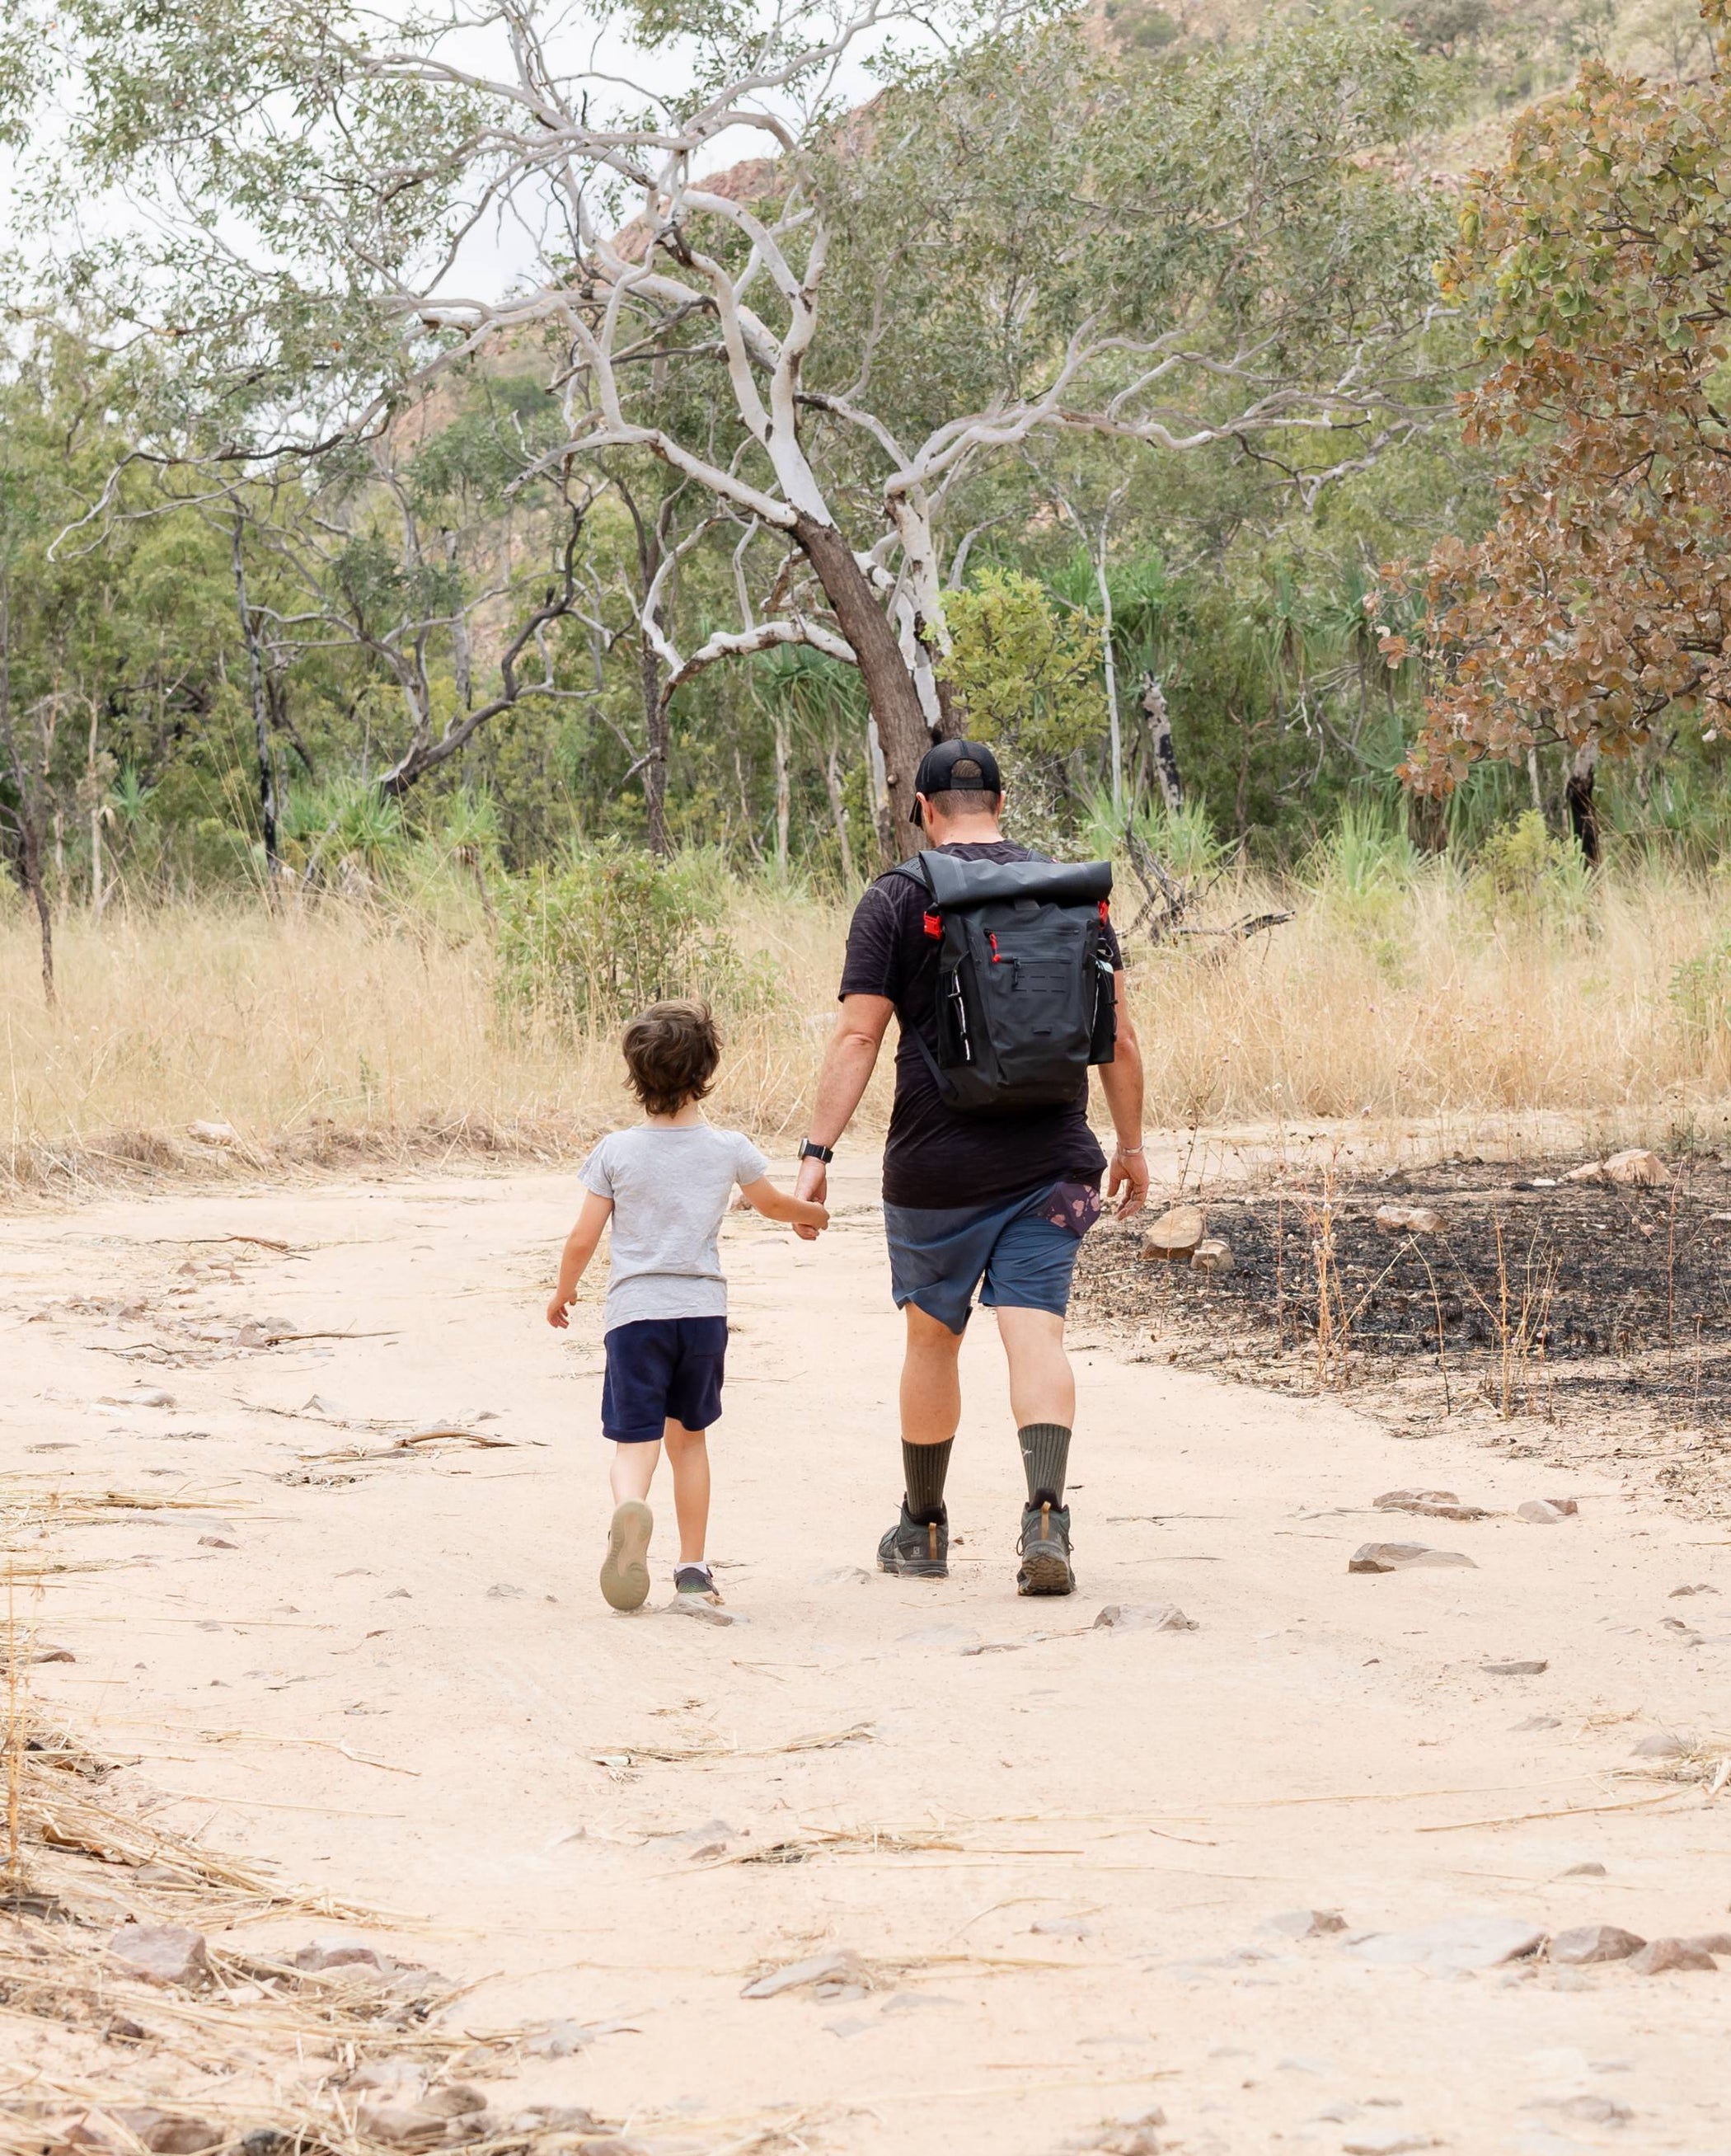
column 1701, row 993
column 1522, row 871
column 592, row 942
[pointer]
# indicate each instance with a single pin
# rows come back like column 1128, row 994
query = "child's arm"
column 763, row 1197
column 580, row 1246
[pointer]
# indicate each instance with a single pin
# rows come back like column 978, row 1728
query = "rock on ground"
column 1590, row 1942
column 1664, row 1955
column 1455, row 1943
column 162, row 1954
column 1403, row 1557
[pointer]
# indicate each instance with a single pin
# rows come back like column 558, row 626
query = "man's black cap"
column 956, row 766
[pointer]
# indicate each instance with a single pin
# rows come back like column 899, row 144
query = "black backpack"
column 1025, row 991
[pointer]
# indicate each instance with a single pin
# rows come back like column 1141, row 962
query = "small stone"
column 841, row 1575
column 1457, row 1942
column 212, row 1134
column 1590, row 1171
column 1701, row 1586
column 506, row 1592
column 1142, row 1617
column 162, row 1954
column 1537, row 1721
column 1429, row 1505
column 1534, row 1669
column 1391, row 1219
column 560, row 2041
column 1594, row 2110
column 1589, row 1942
column 1636, row 1167
column 402, row 2126
column 1667, row 1954
column 1712, row 1943
column 1306, row 1923
column 1213, row 1254
column 556, row 2118
column 341, row 1953
column 1403, row 1557
column 1061, row 1927
column 169, row 2133
column 1175, row 1236
column 216, row 1541
column 1662, row 1744
column 1584, row 1871
column 842, row 1967
column 706, row 1613
column 1391, row 2141
column 395, row 2074
column 1540, row 1512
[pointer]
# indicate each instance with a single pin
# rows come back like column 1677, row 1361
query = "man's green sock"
column 1046, row 1456
column 924, row 1468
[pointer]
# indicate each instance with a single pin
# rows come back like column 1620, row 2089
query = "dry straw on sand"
column 263, row 2050
column 342, row 1030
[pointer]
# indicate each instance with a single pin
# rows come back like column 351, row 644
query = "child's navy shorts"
column 660, row 1369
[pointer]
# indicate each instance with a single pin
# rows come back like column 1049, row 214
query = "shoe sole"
column 920, row 1568
column 1045, row 1572
column 624, row 1569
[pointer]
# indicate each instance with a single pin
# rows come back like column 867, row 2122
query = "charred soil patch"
column 1546, row 1301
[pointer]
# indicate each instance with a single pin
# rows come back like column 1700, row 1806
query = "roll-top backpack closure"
column 1025, row 998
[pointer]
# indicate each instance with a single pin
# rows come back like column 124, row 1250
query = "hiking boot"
column 917, row 1549
column 625, row 1568
column 696, row 1580
column 1045, row 1547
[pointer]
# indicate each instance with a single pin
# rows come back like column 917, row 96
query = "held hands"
column 811, row 1187
column 1128, row 1172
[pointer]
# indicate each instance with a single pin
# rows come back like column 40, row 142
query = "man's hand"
column 557, row 1310
column 812, row 1185
column 1128, row 1172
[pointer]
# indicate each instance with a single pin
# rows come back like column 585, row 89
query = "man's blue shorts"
column 939, row 1255
column 660, row 1369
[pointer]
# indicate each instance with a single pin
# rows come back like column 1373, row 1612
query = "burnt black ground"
column 1551, row 1295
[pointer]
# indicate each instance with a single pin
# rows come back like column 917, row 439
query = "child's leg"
column 688, row 1451
column 633, row 1468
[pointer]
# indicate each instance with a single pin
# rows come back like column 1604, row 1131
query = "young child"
column 665, row 1186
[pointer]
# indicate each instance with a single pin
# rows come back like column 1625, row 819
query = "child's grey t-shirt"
column 671, row 1186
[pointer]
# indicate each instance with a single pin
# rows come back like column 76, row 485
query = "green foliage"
column 1023, row 672
column 1524, row 873
column 1183, row 840
column 1701, row 993
column 590, row 942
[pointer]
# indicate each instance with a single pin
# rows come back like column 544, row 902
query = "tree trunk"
column 1427, row 821
column 838, row 812
column 1110, row 659
column 903, row 734
column 1577, row 798
column 261, row 723
column 655, row 747
column 1161, row 750
column 784, row 792
column 31, row 866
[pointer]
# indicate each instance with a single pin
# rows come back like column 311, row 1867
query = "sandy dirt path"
column 1054, row 1848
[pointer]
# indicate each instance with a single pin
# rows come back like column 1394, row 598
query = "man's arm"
column 1121, row 1082
column 849, row 1063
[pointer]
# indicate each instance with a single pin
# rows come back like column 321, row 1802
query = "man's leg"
column 919, row 1543
column 1027, row 1286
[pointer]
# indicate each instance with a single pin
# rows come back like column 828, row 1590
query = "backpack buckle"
column 934, row 923
column 1105, row 909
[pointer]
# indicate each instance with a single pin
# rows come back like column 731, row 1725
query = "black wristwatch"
column 809, row 1149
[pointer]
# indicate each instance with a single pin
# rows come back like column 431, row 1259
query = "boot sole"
column 914, row 1568
column 625, row 1570
column 1045, row 1572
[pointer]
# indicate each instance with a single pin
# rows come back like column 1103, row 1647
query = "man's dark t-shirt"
column 935, row 1155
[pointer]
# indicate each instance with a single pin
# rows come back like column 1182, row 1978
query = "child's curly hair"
column 671, row 1053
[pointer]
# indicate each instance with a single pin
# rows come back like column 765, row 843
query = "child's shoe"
column 625, row 1568
column 696, row 1580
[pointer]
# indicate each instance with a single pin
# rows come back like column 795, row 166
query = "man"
column 1003, row 1199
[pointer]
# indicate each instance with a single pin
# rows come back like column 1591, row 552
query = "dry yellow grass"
column 340, row 1026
